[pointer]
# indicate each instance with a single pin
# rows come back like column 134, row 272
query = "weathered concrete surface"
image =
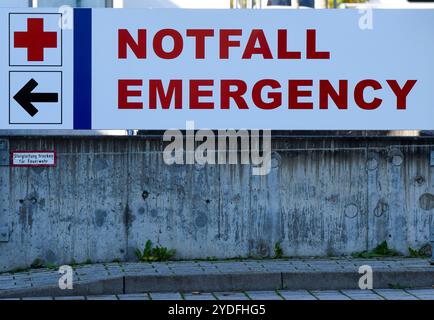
column 108, row 195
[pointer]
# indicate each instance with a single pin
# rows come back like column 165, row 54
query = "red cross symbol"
column 35, row 39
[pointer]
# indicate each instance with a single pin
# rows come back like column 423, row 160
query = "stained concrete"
column 108, row 195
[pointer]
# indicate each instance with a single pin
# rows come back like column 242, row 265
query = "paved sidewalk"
column 256, row 276
column 379, row 294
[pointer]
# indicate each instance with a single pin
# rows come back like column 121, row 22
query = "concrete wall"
column 108, row 195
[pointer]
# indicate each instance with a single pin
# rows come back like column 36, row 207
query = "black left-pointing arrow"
column 25, row 97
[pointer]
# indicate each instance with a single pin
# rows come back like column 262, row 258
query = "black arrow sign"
column 25, row 97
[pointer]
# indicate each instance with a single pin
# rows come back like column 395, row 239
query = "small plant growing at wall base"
column 417, row 253
column 212, row 258
column 151, row 253
column 380, row 251
column 396, row 286
column 278, row 252
column 37, row 264
column 50, row 265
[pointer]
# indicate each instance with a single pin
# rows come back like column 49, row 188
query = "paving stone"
column 231, row 264
column 185, row 267
column 108, row 297
column 6, row 281
column 299, row 264
column 327, row 268
column 70, row 298
column 141, row 296
column 8, row 287
column 274, row 261
column 22, row 285
column 115, row 271
column 304, row 268
column 378, row 294
column 166, row 296
column 348, row 268
column 112, row 265
column 409, row 261
column 257, row 267
column 185, row 264
column 206, row 264
column 163, row 264
column 253, row 263
column 138, row 267
column 163, row 271
column 324, row 263
column 6, row 278
column 395, row 294
column 211, row 271
column 362, row 295
column 329, row 295
column 199, row 296
column 226, row 264
column 425, row 297
column 231, row 296
column 296, row 295
column 23, row 278
column 263, row 295
column 188, row 271
column 261, row 269
column 135, row 265
column 45, row 281
column 233, row 269
column 423, row 294
column 141, row 272
column 421, row 291
column 38, row 298
column 44, row 276
column 279, row 267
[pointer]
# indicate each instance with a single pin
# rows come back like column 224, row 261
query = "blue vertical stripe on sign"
column 82, row 68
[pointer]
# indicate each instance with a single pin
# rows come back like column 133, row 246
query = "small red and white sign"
column 33, row 158
column 35, row 39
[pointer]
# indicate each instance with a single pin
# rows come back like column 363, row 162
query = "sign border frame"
column 12, row 152
column 35, row 65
